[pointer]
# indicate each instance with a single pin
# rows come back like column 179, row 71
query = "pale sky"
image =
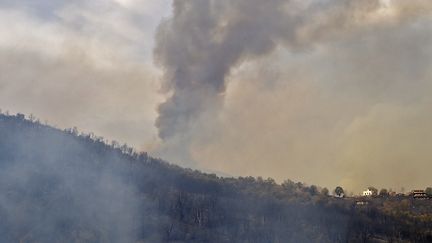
column 328, row 93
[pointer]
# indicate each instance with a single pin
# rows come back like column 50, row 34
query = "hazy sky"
column 326, row 92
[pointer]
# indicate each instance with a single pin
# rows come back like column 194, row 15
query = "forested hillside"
column 62, row 186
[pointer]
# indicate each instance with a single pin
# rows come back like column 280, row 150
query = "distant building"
column 419, row 194
column 362, row 203
column 367, row 193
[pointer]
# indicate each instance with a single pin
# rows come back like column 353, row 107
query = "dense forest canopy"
column 62, row 186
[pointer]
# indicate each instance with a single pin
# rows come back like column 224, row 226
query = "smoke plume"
column 205, row 39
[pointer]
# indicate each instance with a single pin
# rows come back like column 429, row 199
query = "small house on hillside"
column 418, row 194
column 362, row 203
column 367, row 193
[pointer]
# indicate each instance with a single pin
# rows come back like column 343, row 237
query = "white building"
column 367, row 193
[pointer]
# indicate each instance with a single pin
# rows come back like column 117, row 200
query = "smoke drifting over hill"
column 323, row 91
column 253, row 81
column 58, row 186
column 55, row 190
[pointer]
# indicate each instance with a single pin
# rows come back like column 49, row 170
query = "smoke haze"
column 205, row 40
column 74, row 63
column 57, row 189
column 322, row 91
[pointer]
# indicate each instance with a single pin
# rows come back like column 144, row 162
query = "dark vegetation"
column 62, row 186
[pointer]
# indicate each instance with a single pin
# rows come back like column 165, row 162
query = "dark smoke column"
column 200, row 44
column 204, row 39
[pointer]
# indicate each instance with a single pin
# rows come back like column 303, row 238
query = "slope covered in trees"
column 61, row 186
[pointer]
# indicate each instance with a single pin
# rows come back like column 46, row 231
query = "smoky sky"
column 372, row 52
column 205, row 40
column 322, row 91
column 76, row 63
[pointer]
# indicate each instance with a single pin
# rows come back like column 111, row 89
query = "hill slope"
column 58, row 186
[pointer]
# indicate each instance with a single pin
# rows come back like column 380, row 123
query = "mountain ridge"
column 61, row 186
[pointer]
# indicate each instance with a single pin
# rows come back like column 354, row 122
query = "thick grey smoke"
column 256, row 86
column 205, row 39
